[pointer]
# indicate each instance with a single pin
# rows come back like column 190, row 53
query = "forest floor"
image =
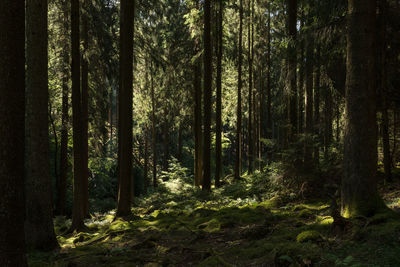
column 244, row 223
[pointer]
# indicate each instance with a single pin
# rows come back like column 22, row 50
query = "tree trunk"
column 218, row 128
column 207, row 97
column 62, row 189
column 337, row 118
column 166, row 141
column 125, row 109
column 85, row 113
column 250, row 94
column 39, row 228
column 12, row 111
column 359, row 186
column 153, row 127
column 269, row 100
column 238, row 161
column 387, row 162
column 301, row 87
column 77, row 122
column 309, row 102
column 292, row 67
column 317, row 82
column 328, row 121
column 146, row 161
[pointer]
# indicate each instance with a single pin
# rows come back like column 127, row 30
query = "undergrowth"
column 250, row 222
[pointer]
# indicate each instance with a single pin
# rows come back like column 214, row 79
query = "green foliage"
column 102, row 184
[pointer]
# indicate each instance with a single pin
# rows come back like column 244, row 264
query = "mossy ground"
column 237, row 225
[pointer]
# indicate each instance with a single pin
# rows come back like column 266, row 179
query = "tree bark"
column 309, row 102
column 207, row 97
column 39, row 228
column 250, row 94
column 62, row 189
column 301, row 86
column 166, row 141
column 387, row 162
column 269, row 89
column 125, row 123
column 218, row 128
column 328, row 121
column 153, row 127
column 146, row 161
column 317, row 125
column 77, row 123
column 359, row 185
column 238, row 160
column 12, row 111
column 292, row 67
column 85, row 112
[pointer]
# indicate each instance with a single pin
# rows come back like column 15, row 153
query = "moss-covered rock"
column 211, row 226
column 313, row 236
column 305, row 214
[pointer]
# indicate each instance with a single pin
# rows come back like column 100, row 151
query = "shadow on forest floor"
column 238, row 225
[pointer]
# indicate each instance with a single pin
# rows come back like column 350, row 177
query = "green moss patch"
column 306, row 236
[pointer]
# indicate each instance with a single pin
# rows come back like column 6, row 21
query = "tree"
column 269, row 100
column 12, row 111
column 153, row 127
column 317, row 121
column 207, row 97
column 62, row 186
column 77, row 124
column 251, row 100
column 85, row 111
column 359, row 184
column 39, row 228
column 309, row 101
column 218, row 128
column 238, row 159
column 198, row 134
column 125, row 109
column 387, row 162
column 292, row 66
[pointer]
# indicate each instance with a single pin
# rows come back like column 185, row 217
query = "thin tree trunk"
column 85, row 114
column 359, row 185
column 250, row 94
column 292, row 67
column 146, row 161
column 153, row 127
column 218, row 128
column 166, row 141
column 125, row 123
column 309, row 102
column 77, row 210
column 316, row 103
column 110, row 119
column 238, row 161
column 207, row 97
column 337, row 118
column 12, row 111
column 62, row 189
column 328, row 122
column 301, row 86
